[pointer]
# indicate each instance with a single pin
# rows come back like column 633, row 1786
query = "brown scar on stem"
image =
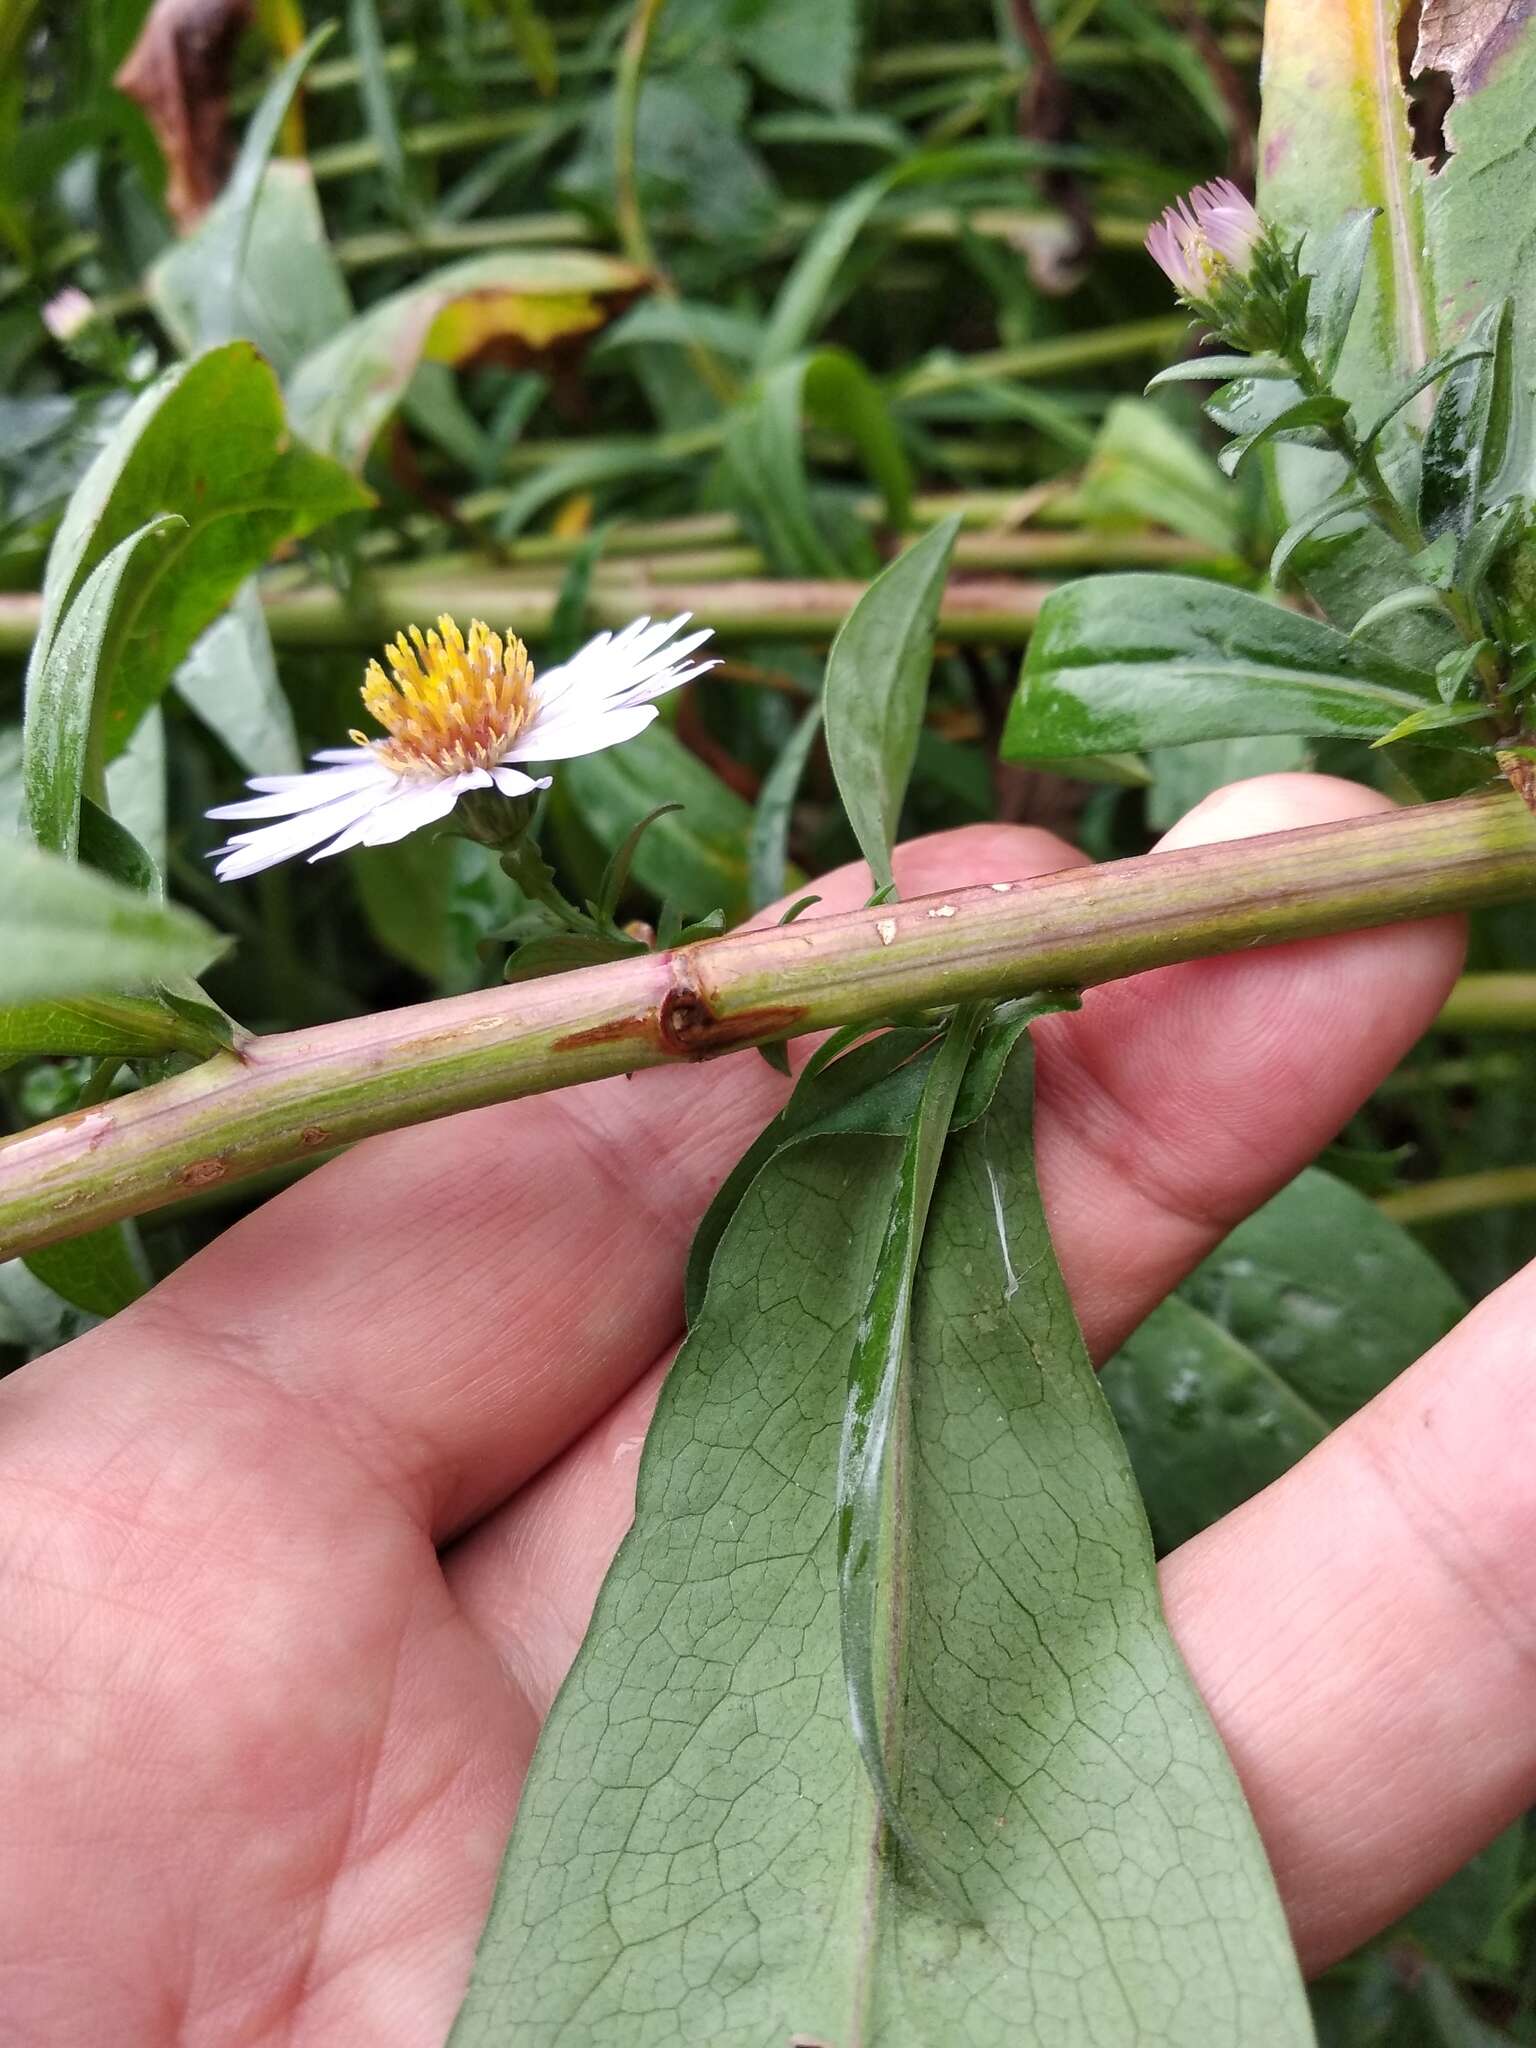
column 686, row 1026
column 202, row 1173
column 314, row 1134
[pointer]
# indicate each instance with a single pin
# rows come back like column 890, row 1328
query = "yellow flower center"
column 448, row 704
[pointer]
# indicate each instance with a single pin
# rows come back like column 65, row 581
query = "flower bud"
column 68, row 313
column 1227, row 265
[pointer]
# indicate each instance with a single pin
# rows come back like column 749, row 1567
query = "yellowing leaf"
column 511, row 307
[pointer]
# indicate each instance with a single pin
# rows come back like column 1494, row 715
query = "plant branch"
column 292, row 1095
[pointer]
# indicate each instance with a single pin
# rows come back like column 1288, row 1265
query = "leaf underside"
column 698, row 1855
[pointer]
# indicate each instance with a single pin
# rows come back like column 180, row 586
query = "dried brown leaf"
column 178, row 71
column 1464, row 38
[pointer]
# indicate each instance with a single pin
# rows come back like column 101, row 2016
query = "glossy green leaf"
column 1300, row 1317
column 768, row 841
column 1468, row 432
column 66, row 931
column 1431, row 373
column 208, row 442
column 698, row 1853
column 877, row 687
column 68, row 692
column 520, row 301
column 258, row 265
column 1328, row 1291
column 766, row 467
column 697, row 853
column 1126, row 662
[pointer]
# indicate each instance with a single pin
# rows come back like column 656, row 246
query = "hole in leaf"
column 1430, row 93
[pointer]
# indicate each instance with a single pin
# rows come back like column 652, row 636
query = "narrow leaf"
column 768, row 841
column 1336, row 264
column 1467, row 433
column 67, row 693
column 877, row 687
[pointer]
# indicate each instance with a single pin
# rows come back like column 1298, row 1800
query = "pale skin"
column 297, row 1551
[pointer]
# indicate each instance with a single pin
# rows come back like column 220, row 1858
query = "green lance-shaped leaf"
column 877, row 687
column 1335, row 261
column 699, row 1854
column 1469, row 431
column 67, row 694
column 1300, row 1317
column 768, row 841
column 1119, row 663
column 208, row 442
column 765, row 463
column 66, row 931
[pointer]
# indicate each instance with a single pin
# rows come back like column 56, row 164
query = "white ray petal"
column 582, row 732
column 248, row 852
column 286, row 795
column 513, row 782
column 421, row 803
column 363, row 753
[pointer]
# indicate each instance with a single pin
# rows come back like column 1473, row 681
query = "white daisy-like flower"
column 459, row 715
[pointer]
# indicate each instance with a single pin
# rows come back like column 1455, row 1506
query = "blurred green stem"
column 1490, row 1002
column 628, row 206
column 298, row 1093
column 1462, row 1194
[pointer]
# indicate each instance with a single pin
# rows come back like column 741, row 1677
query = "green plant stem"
column 1462, row 1194
column 984, row 611
column 1490, row 1002
column 1060, row 354
column 288, row 1096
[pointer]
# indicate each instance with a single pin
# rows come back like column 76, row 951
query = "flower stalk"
column 295, row 1095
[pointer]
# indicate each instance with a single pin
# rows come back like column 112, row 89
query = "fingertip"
column 1272, row 803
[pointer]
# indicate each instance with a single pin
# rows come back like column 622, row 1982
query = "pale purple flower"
column 458, row 715
column 1205, row 239
column 68, row 312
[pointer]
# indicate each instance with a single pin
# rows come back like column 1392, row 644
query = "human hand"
column 299, row 1549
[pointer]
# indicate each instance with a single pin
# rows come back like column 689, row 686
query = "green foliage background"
column 880, row 308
